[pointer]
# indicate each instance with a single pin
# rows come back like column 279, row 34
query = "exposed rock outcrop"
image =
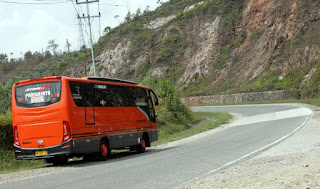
column 248, row 41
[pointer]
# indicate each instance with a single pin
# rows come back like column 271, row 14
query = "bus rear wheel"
column 104, row 151
column 57, row 160
column 142, row 147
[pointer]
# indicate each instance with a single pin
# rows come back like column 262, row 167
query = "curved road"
column 180, row 163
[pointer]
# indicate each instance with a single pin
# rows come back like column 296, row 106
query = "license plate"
column 41, row 153
column 37, row 99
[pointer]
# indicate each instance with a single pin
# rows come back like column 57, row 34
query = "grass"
column 210, row 121
column 9, row 164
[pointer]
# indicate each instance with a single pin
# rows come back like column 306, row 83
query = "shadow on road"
column 117, row 155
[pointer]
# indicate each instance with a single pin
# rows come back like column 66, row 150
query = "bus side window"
column 87, row 94
column 76, row 92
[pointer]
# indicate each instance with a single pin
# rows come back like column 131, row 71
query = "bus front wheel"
column 104, row 151
column 142, row 147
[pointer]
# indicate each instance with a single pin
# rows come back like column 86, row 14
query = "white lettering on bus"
column 100, row 86
column 42, row 93
column 32, row 89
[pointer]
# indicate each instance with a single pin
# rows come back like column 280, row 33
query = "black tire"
column 57, row 160
column 133, row 148
column 90, row 157
column 104, row 151
column 141, row 148
column 47, row 161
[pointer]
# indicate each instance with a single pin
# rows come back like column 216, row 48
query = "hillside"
column 197, row 43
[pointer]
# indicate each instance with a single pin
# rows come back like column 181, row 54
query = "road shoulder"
column 294, row 163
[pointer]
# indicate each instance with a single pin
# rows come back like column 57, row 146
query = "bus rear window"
column 38, row 94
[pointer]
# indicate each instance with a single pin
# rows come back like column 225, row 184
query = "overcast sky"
column 30, row 26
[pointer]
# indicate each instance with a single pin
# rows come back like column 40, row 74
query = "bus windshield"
column 38, row 94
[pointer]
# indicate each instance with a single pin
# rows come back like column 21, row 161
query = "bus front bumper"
column 65, row 149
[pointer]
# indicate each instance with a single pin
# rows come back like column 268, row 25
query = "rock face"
column 259, row 37
column 112, row 61
column 197, row 64
column 159, row 22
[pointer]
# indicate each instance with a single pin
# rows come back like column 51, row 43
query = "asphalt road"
column 181, row 163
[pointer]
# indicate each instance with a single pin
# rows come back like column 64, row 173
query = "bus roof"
column 38, row 79
column 109, row 79
column 91, row 78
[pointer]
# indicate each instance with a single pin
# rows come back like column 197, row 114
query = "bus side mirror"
column 156, row 102
column 155, row 98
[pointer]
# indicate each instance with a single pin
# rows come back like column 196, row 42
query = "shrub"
column 171, row 47
column 6, row 136
column 5, row 97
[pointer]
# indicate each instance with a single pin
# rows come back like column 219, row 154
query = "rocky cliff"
column 198, row 43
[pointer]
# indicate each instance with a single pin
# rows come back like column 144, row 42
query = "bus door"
column 144, row 104
column 152, row 95
column 88, row 96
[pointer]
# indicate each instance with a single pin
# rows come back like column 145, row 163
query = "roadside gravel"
column 294, row 163
column 23, row 175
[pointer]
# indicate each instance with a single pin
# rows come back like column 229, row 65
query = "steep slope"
column 196, row 43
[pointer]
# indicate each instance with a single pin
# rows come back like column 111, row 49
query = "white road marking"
column 298, row 112
column 263, row 148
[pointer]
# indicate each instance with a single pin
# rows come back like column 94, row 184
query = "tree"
column 3, row 60
column 83, row 48
column 128, row 17
column 47, row 55
column 38, row 56
column 138, row 13
column 107, row 30
column 147, row 9
column 52, row 46
column 5, row 96
column 28, row 55
column 160, row 2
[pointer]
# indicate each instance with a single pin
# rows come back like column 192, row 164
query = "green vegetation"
column 255, row 35
column 174, row 45
column 175, row 120
column 8, row 163
column 176, row 132
column 199, row 87
column 292, row 81
column 312, row 37
column 5, row 97
column 6, row 139
column 267, row 82
column 141, row 41
column 169, row 99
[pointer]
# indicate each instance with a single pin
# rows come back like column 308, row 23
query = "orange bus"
column 55, row 118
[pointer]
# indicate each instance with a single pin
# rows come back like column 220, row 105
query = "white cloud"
column 24, row 27
column 43, row 27
column 11, row 21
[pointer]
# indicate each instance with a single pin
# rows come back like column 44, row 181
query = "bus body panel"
column 121, row 126
column 40, row 134
column 43, row 124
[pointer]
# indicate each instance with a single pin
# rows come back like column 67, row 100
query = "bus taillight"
column 15, row 136
column 66, row 131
